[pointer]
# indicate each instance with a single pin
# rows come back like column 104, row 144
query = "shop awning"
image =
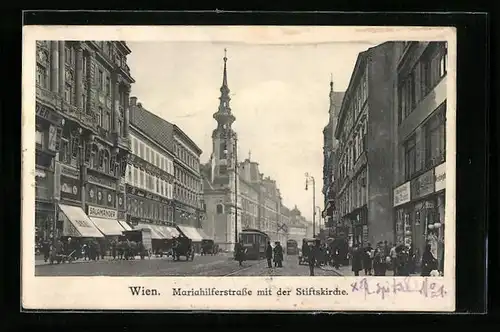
column 203, row 234
column 169, row 232
column 125, row 225
column 110, row 227
column 190, row 232
column 76, row 223
column 155, row 234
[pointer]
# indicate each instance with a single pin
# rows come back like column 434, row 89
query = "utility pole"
column 235, row 189
column 310, row 179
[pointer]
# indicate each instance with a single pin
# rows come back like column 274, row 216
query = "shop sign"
column 402, row 194
column 423, row 185
column 69, row 171
column 99, row 212
column 440, row 177
column 70, row 188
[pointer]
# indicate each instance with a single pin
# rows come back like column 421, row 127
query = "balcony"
column 48, row 97
column 88, row 120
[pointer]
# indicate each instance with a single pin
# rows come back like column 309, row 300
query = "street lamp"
column 230, row 134
column 319, row 217
column 310, row 179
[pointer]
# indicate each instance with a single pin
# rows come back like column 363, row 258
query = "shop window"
column 410, row 157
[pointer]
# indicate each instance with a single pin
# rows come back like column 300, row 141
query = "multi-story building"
column 188, row 195
column 231, row 187
column 365, row 152
column 150, row 173
column 298, row 228
column 88, row 84
column 330, row 145
column 420, row 145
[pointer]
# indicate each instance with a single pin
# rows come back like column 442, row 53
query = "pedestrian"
column 305, row 249
column 313, row 256
column 113, row 249
column 269, row 254
column 393, row 255
column 379, row 261
column 368, row 259
column 429, row 262
column 402, row 261
column 357, row 260
column 278, row 255
column 239, row 253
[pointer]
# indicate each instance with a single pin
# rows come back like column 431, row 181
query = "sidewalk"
column 347, row 271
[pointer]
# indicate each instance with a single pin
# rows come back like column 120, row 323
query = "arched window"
column 94, row 157
column 220, row 209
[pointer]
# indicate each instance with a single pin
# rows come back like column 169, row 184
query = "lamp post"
column 310, row 179
column 232, row 135
column 319, row 217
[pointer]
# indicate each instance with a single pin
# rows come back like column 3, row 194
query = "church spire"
column 331, row 110
column 224, row 116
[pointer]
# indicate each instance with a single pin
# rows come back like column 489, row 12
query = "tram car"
column 254, row 242
column 292, row 248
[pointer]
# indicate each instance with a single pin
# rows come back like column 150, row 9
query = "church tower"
column 224, row 171
column 223, row 137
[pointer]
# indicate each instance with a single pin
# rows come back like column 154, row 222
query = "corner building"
column 365, row 151
column 87, row 83
column 420, row 146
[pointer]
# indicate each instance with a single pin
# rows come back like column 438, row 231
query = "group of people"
column 401, row 259
column 276, row 253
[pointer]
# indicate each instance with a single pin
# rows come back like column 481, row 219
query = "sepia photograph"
column 316, row 162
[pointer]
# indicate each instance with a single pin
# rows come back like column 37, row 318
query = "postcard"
column 238, row 168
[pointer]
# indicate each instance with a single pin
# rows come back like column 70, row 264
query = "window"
column 141, row 183
column 220, row 209
column 108, row 86
column 120, row 126
column 67, row 55
column 141, row 150
column 129, row 174
column 39, row 138
column 100, row 78
column 410, row 157
column 41, row 76
column 147, row 154
column 136, row 177
column 406, row 96
column 162, row 166
column 107, row 120
column 84, row 102
column 152, row 156
column 443, row 61
column 99, row 116
column 68, row 93
column 435, row 137
column 135, row 146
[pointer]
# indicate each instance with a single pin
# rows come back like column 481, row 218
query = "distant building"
column 364, row 171
column 420, row 145
column 330, row 145
column 298, row 228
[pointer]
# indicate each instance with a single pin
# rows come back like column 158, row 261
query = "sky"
column 279, row 98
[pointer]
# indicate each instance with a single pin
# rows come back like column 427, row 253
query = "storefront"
column 438, row 228
column 76, row 223
column 148, row 208
column 417, row 213
column 44, row 205
column 106, row 220
column 186, row 215
column 359, row 227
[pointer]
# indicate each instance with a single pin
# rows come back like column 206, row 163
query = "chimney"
column 133, row 101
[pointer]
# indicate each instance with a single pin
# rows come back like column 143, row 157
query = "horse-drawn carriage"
column 182, row 246
column 208, row 247
column 134, row 243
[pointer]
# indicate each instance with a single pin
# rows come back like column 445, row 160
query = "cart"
column 61, row 258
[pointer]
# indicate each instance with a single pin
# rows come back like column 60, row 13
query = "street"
column 209, row 266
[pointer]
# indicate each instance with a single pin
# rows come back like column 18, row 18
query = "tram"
column 254, row 241
column 292, row 247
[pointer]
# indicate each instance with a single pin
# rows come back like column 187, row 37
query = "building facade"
column 365, row 151
column 298, row 228
column 188, row 194
column 150, row 172
column 237, row 191
column 420, row 146
column 86, row 83
column 330, row 145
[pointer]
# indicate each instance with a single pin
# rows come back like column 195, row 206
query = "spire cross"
column 249, row 154
column 225, row 54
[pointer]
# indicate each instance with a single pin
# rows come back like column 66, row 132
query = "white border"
column 112, row 292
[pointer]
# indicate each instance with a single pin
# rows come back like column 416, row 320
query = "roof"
column 158, row 129
column 187, row 139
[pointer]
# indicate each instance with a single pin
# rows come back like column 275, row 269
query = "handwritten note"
column 426, row 287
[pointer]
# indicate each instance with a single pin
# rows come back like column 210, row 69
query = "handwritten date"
column 425, row 287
